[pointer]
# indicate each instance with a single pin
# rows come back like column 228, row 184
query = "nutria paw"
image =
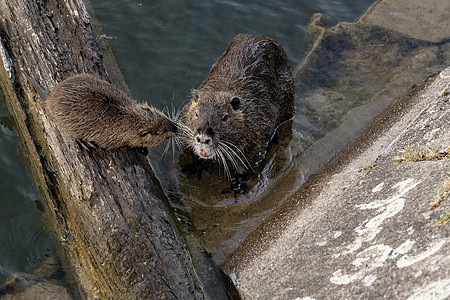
column 238, row 186
column 195, row 168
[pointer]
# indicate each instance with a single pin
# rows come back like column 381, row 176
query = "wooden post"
column 118, row 235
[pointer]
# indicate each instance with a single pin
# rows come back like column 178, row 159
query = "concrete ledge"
column 368, row 233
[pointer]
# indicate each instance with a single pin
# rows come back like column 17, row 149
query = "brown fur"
column 234, row 112
column 95, row 111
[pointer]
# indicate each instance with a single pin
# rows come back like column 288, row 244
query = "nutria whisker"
column 173, row 113
column 176, row 113
column 175, row 145
column 225, row 156
column 242, row 158
column 178, row 142
column 230, row 155
column 186, row 132
column 166, row 148
column 226, row 169
column 166, row 111
column 175, row 140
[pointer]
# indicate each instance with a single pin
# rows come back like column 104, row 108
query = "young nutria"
column 94, row 111
column 233, row 114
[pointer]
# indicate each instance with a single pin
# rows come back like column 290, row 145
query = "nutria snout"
column 95, row 111
column 233, row 114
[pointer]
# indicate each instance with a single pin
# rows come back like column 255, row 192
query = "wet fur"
column 95, row 111
column 232, row 115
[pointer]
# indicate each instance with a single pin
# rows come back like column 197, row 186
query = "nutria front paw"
column 238, row 186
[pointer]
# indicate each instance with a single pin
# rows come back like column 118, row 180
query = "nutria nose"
column 173, row 127
column 169, row 127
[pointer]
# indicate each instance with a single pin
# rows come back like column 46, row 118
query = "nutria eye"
column 235, row 103
column 144, row 133
column 225, row 118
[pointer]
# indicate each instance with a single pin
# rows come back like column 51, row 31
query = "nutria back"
column 95, row 111
column 234, row 112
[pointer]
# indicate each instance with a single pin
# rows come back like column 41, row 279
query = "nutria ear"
column 195, row 95
column 146, row 107
column 144, row 133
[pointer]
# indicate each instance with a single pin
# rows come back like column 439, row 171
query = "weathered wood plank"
column 118, row 235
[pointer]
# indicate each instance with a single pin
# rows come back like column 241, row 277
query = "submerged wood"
column 118, row 236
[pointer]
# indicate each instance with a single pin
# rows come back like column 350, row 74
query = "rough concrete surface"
column 365, row 230
column 369, row 233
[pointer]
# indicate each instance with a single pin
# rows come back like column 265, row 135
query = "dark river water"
column 24, row 242
column 164, row 49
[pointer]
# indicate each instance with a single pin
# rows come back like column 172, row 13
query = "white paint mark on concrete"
column 337, row 234
column 372, row 257
column 426, row 215
column 445, row 74
column 339, row 278
column 387, row 207
column 429, row 135
column 375, row 256
column 403, row 248
column 366, row 261
column 406, row 261
column 368, row 280
column 378, row 188
column 437, row 290
column 402, row 186
column 321, row 244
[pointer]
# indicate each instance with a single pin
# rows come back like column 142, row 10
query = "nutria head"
column 150, row 127
column 213, row 127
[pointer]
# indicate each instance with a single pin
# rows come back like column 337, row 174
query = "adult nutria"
column 233, row 114
column 92, row 110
